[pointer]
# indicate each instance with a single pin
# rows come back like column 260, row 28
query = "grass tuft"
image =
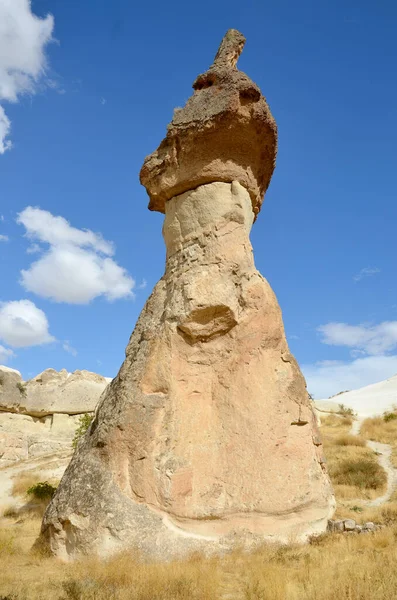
column 361, row 473
column 349, row 440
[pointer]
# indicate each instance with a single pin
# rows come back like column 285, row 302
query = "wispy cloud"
column 371, row 347
column 68, row 348
column 4, row 238
column 33, row 249
column 5, row 354
column 366, row 272
column 329, row 377
column 369, row 339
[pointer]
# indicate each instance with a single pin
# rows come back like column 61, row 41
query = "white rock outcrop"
column 369, row 401
column 40, row 416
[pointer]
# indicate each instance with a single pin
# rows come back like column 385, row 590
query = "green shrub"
column 84, row 423
column 389, row 416
column 42, row 490
column 345, row 411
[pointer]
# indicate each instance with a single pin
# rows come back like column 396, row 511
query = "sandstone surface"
column 40, row 416
column 206, row 437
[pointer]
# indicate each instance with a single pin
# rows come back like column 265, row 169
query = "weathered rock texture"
column 225, row 132
column 40, row 416
column 206, row 436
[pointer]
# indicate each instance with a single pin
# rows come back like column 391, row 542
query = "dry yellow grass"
column 349, row 440
column 346, row 567
column 353, row 468
column 23, row 481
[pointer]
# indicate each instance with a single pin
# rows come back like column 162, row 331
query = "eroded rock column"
column 206, row 437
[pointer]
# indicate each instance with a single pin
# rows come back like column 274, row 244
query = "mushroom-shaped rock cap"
column 225, row 132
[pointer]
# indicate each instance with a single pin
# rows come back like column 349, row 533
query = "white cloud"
column 33, row 249
column 370, row 350
column 5, row 354
column 68, row 348
column 370, row 339
column 4, row 238
column 5, row 128
column 329, row 377
column 103, row 101
column 366, row 272
column 23, row 38
column 76, row 268
column 23, row 324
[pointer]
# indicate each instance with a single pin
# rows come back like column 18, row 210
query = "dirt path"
column 49, row 466
column 383, row 452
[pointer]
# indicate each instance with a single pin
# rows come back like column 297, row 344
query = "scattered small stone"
column 335, row 526
column 350, row 524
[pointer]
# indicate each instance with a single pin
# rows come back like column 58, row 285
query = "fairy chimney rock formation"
column 206, row 437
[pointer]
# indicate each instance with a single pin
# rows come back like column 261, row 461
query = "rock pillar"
column 206, row 436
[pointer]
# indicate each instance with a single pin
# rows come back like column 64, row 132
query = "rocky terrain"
column 40, row 416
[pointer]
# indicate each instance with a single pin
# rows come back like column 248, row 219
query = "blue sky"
column 88, row 95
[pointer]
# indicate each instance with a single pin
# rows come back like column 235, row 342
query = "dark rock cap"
column 225, row 132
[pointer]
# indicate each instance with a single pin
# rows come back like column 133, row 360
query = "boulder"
column 349, row 524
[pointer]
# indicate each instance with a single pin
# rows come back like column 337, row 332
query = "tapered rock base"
column 206, row 437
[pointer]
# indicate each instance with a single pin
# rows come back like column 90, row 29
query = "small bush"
column 389, row 416
column 42, row 490
column 84, row 423
column 22, row 388
column 346, row 411
column 362, row 473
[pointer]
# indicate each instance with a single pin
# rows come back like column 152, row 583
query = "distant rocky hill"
column 367, row 401
column 40, row 416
